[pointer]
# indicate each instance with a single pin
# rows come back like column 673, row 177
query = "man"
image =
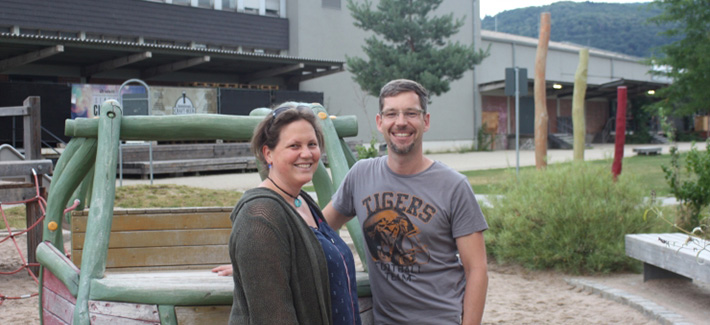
column 416, row 214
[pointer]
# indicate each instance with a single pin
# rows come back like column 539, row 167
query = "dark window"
column 335, row 4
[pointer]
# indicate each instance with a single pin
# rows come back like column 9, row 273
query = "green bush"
column 570, row 217
column 367, row 152
column 693, row 189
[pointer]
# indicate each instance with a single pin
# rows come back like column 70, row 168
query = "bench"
column 647, row 151
column 671, row 255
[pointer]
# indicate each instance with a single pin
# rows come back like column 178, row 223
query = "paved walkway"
column 458, row 161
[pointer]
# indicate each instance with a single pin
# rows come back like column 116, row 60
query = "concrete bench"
column 671, row 255
column 647, row 150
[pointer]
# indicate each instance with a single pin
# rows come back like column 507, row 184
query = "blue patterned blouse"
column 341, row 267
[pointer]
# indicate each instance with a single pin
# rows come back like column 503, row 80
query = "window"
column 335, row 4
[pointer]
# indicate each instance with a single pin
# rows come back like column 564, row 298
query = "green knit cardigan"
column 280, row 272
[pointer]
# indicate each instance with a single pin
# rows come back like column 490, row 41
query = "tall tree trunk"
column 620, row 130
column 541, row 93
column 580, row 91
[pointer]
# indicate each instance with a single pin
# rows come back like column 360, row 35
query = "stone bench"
column 646, row 151
column 671, row 255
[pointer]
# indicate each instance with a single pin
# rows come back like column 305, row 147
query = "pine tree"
column 409, row 44
column 687, row 60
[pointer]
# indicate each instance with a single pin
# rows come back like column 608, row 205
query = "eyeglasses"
column 409, row 114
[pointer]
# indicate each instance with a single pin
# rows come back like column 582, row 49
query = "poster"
column 86, row 99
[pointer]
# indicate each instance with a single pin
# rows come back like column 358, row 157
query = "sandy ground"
column 515, row 296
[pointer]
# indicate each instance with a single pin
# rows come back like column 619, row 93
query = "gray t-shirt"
column 410, row 224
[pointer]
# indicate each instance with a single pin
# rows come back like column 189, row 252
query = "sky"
column 492, row 7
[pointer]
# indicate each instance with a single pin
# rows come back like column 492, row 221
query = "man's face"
column 403, row 122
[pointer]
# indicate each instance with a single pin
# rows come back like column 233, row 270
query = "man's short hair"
column 398, row 86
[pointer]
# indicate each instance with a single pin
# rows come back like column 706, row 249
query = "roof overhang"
column 104, row 59
column 605, row 90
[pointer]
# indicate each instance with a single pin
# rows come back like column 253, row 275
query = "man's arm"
column 334, row 218
column 472, row 250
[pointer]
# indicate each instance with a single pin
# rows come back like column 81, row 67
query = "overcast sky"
column 492, row 7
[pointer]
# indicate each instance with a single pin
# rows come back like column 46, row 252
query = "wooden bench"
column 647, row 151
column 671, row 255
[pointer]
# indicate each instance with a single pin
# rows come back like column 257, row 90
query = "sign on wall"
column 87, row 99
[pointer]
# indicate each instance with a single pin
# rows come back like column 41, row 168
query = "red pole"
column 620, row 130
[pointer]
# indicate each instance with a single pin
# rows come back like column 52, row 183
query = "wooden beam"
column 23, row 59
column 272, row 72
column 23, row 168
column 13, row 111
column 317, row 74
column 116, row 63
column 175, row 66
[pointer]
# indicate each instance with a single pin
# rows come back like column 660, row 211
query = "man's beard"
column 400, row 150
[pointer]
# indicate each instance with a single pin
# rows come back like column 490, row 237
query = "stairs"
column 563, row 141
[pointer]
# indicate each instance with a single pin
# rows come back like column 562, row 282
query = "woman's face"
column 295, row 158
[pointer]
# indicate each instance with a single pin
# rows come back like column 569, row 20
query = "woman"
column 289, row 266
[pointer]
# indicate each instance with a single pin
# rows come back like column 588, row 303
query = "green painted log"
column 167, row 315
column 93, row 263
column 55, row 261
column 190, row 127
column 338, row 169
column 75, row 166
column 349, row 156
column 323, row 185
column 578, row 94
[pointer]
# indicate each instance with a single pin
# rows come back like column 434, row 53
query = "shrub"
column 367, row 152
column 693, row 190
column 570, row 217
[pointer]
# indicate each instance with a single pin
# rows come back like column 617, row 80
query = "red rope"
column 41, row 202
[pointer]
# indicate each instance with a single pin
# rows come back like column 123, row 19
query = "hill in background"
column 618, row 27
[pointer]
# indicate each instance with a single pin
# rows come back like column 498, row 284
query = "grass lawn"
column 646, row 168
column 146, row 196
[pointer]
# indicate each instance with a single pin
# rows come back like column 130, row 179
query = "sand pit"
column 515, row 296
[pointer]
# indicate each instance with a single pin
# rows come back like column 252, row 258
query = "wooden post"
column 541, row 92
column 579, row 92
column 620, row 131
column 32, row 143
column 93, row 263
column 34, row 235
column 32, row 123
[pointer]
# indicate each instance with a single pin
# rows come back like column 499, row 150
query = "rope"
column 42, row 203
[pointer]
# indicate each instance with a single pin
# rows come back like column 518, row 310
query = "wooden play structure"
column 152, row 266
column 18, row 171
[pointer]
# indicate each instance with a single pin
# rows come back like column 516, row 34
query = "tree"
column 685, row 61
column 412, row 45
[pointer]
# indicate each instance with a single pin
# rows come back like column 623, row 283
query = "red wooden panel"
column 57, row 306
column 50, row 319
column 52, row 283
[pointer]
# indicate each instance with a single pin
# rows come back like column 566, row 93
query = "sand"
column 515, row 296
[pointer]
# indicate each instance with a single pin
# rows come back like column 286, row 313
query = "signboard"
column 86, row 100
column 510, row 81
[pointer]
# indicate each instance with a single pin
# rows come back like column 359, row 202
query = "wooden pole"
column 191, row 127
column 32, row 142
column 620, row 131
column 541, row 93
column 580, row 91
column 32, row 124
column 93, row 262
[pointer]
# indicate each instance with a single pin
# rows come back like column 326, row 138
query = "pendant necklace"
column 297, row 201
